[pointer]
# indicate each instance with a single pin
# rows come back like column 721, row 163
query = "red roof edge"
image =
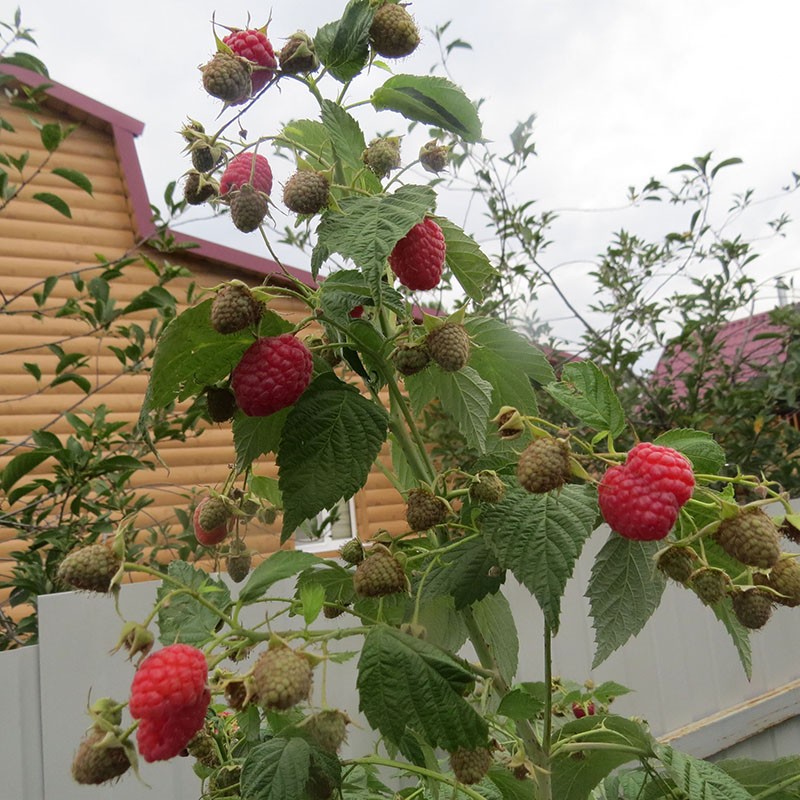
column 125, row 129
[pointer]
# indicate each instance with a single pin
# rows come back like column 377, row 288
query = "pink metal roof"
column 125, row 129
column 739, row 347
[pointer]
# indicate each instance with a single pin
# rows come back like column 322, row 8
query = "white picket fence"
column 686, row 677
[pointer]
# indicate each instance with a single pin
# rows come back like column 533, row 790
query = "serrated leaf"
column 624, row 590
column 74, row 176
column 760, row 776
column 266, row 488
column 54, row 201
column 464, row 395
column 254, row 436
column 329, row 443
column 539, row 538
column 311, row 139
column 574, row 779
column 511, row 787
column 278, row 769
column 433, row 100
column 444, row 625
column 463, row 573
column 700, row 779
column 405, row 683
column 738, row 633
column 368, row 228
column 345, row 289
column 348, row 145
column 465, row 259
column 183, row 618
column 280, row 565
column 312, row 598
column 586, row 391
column 343, row 46
column 523, row 703
column 496, row 621
column 699, row 447
column 509, row 362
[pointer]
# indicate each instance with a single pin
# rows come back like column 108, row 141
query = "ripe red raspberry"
column 166, row 736
column 256, row 48
column 244, row 168
column 641, row 499
column 168, row 681
column 272, row 375
column 418, row 258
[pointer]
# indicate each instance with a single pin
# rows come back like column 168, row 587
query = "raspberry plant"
column 406, row 604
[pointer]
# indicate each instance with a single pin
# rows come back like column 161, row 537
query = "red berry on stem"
column 256, row 48
column 418, row 258
column 244, row 168
column 271, row 375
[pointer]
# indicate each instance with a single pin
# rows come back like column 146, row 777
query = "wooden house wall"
column 36, row 242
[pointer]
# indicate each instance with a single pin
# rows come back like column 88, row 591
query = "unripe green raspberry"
column 328, row 729
column 393, row 33
column 750, row 537
column 221, row 403
column 197, row 188
column 298, row 54
column 203, row 747
column 382, row 155
column 544, row 465
column 487, row 487
column 248, row 208
column 424, row 510
column 449, row 346
column 89, row 568
column 470, row 766
column 784, row 578
column 710, row 585
column 93, row 765
column 409, row 359
column 306, row 192
column 753, row 607
column 379, row 574
column 677, row 563
column 352, row 552
column 434, row 156
column 214, row 513
column 234, row 308
column 281, row 678
column 227, row 77
column 239, row 561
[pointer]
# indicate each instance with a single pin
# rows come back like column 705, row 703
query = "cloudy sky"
column 623, row 90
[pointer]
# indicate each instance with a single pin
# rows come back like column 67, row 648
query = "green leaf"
column 254, row 436
column 463, row 573
column 526, row 701
column 511, row 787
column 73, row 176
column 310, row 138
column 33, row 369
column 278, row 769
column 51, row 135
column 700, row 779
column 348, row 146
column 436, row 101
column 468, row 263
column 728, row 162
column 329, row 443
column 738, row 633
column 509, row 362
column 27, row 61
column 761, row 776
column 586, row 391
column 574, row 778
column 404, row 683
column 496, row 621
column 54, row 201
column 368, row 228
column 154, row 297
column 280, row 565
column 465, row 395
column 341, row 291
column 444, row 626
column 183, row 618
column 699, row 447
column 312, row 598
column 624, row 590
column 21, row 465
column 539, row 538
column 343, row 46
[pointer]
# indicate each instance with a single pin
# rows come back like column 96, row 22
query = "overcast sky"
column 623, row 90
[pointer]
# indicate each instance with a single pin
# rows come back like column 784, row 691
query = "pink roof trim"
column 124, row 130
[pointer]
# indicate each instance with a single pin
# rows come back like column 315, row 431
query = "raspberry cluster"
column 90, row 568
column 641, row 499
column 169, row 697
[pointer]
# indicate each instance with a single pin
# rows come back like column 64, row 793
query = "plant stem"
column 547, row 734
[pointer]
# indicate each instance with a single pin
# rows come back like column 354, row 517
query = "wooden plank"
column 725, row 728
column 101, row 239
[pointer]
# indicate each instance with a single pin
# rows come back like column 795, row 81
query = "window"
column 329, row 530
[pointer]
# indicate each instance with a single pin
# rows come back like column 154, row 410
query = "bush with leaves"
column 88, row 486
column 405, row 604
